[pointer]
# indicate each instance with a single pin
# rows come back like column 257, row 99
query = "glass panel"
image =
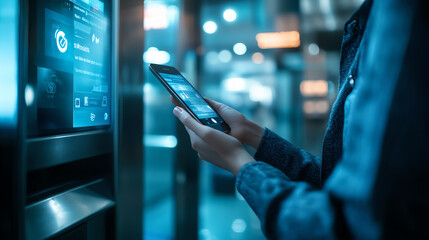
column 161, row 23
column 9, row 64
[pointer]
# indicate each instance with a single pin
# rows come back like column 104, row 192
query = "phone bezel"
column 156, row 69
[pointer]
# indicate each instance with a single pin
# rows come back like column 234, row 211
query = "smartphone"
column 188, row 97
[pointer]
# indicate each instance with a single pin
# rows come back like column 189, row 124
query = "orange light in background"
column 278, row 40
column 311, row 107
column 317, row 88
column 258, row 58
column 155, row 17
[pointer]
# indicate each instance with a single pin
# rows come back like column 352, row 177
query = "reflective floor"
column 222, row 215
column 225, row 215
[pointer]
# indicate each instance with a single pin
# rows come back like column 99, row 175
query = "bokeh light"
column 210, row 27
column 153, row 55
column 229, row 15
column 225, row 56
column 313, row 49
column 235, row 84
column 239, row 48
column 257, row 58
column 29, row 95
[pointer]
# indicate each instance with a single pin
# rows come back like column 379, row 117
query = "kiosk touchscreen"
column 69, row 65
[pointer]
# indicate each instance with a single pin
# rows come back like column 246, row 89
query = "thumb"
column 207, row 134
column 216, row 105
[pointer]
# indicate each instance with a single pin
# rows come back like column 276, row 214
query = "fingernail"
column 179, row 109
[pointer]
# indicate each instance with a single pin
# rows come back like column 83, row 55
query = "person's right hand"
column 246, row 131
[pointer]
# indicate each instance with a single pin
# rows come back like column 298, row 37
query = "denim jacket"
column 371, row 181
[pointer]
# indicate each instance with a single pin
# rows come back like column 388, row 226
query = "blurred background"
column 275, row 61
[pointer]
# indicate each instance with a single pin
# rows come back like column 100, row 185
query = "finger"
column 174, row 101
column 189, row 121
column 199, row 144
column 206, row 134
column 196, row 142
column 194, row 137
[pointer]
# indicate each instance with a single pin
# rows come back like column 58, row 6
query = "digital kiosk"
column 70, row 160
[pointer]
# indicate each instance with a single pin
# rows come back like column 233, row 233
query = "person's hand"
column 213, row 145
column 246, row 131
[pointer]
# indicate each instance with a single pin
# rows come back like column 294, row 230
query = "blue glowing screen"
column 192, row 98
column 72, row 64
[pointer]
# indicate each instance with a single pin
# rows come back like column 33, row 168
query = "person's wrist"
column 254, row 134
column 241, row 158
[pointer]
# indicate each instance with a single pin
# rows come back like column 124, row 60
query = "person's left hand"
column 214, row 146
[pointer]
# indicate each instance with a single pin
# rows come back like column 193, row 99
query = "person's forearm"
column 287, row 209
column 254, row 134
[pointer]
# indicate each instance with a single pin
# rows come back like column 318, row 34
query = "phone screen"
column 194, row 101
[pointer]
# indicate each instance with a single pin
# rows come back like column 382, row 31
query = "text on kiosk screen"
column 73, row 69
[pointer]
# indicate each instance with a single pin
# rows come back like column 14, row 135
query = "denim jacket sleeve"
column 296, row 163
column 285, row 207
